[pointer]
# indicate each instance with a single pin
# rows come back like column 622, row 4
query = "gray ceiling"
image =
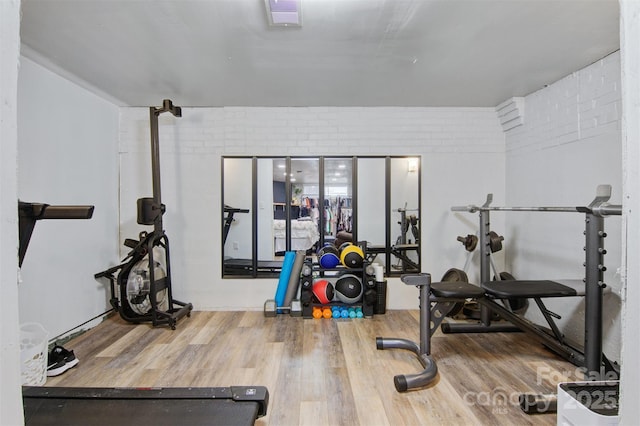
column 347, row 52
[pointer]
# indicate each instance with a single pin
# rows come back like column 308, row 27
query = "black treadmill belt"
column 156, row 406
column 109, row 412
column 527, row 289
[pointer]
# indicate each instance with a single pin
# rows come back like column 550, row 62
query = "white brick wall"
column 583, row 105
column 456, row 145
column 318, row 131
column 570, row 142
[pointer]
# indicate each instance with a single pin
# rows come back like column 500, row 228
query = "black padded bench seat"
column 527, row 289
column 456, row 290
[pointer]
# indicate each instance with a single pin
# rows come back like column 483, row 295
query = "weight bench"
column 438, row 299
column 592, row 287
column 443, row 296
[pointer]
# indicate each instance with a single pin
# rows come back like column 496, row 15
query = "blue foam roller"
column 285, row 274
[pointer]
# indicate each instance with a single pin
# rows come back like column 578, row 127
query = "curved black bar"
column 405, row 382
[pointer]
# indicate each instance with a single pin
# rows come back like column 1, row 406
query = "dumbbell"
column 270, row 308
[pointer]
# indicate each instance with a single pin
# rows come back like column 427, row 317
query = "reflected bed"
column 304, row 234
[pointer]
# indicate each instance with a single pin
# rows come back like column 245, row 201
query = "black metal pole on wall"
column 167, row 106
column 387, row 215
column 287, row 205
column 254, row 217
column 321, row 201
column 354, row 199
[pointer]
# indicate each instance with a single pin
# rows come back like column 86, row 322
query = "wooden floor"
column 324, row 372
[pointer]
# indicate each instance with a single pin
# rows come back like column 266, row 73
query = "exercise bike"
column 141, row 291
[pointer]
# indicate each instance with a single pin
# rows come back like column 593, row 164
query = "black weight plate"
column 495, row 242
column 455, row 275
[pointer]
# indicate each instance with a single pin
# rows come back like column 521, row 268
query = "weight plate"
column 455, row 275
column 495, row 242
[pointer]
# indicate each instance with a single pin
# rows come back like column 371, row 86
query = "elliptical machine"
column 143, row 283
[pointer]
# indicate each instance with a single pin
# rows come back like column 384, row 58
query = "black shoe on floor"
column 60, row 360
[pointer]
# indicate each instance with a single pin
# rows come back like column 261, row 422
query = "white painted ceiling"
column 347, row 52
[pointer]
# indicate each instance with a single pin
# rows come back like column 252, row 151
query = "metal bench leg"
column 405, row 382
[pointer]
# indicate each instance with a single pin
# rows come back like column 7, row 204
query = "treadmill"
column 53, row 406
column 233, row 266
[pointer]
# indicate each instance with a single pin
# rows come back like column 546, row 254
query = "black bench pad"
column 527, row 289
column 456, row 290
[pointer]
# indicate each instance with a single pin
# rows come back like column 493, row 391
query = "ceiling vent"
column 511, row 113
column 284, row 13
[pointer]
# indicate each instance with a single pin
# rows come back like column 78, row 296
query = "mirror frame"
column 388, row 251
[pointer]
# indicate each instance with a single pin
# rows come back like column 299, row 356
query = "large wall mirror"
column 272, row 205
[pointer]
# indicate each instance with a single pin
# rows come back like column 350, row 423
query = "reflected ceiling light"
column 284, row 13
column 412, row 165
